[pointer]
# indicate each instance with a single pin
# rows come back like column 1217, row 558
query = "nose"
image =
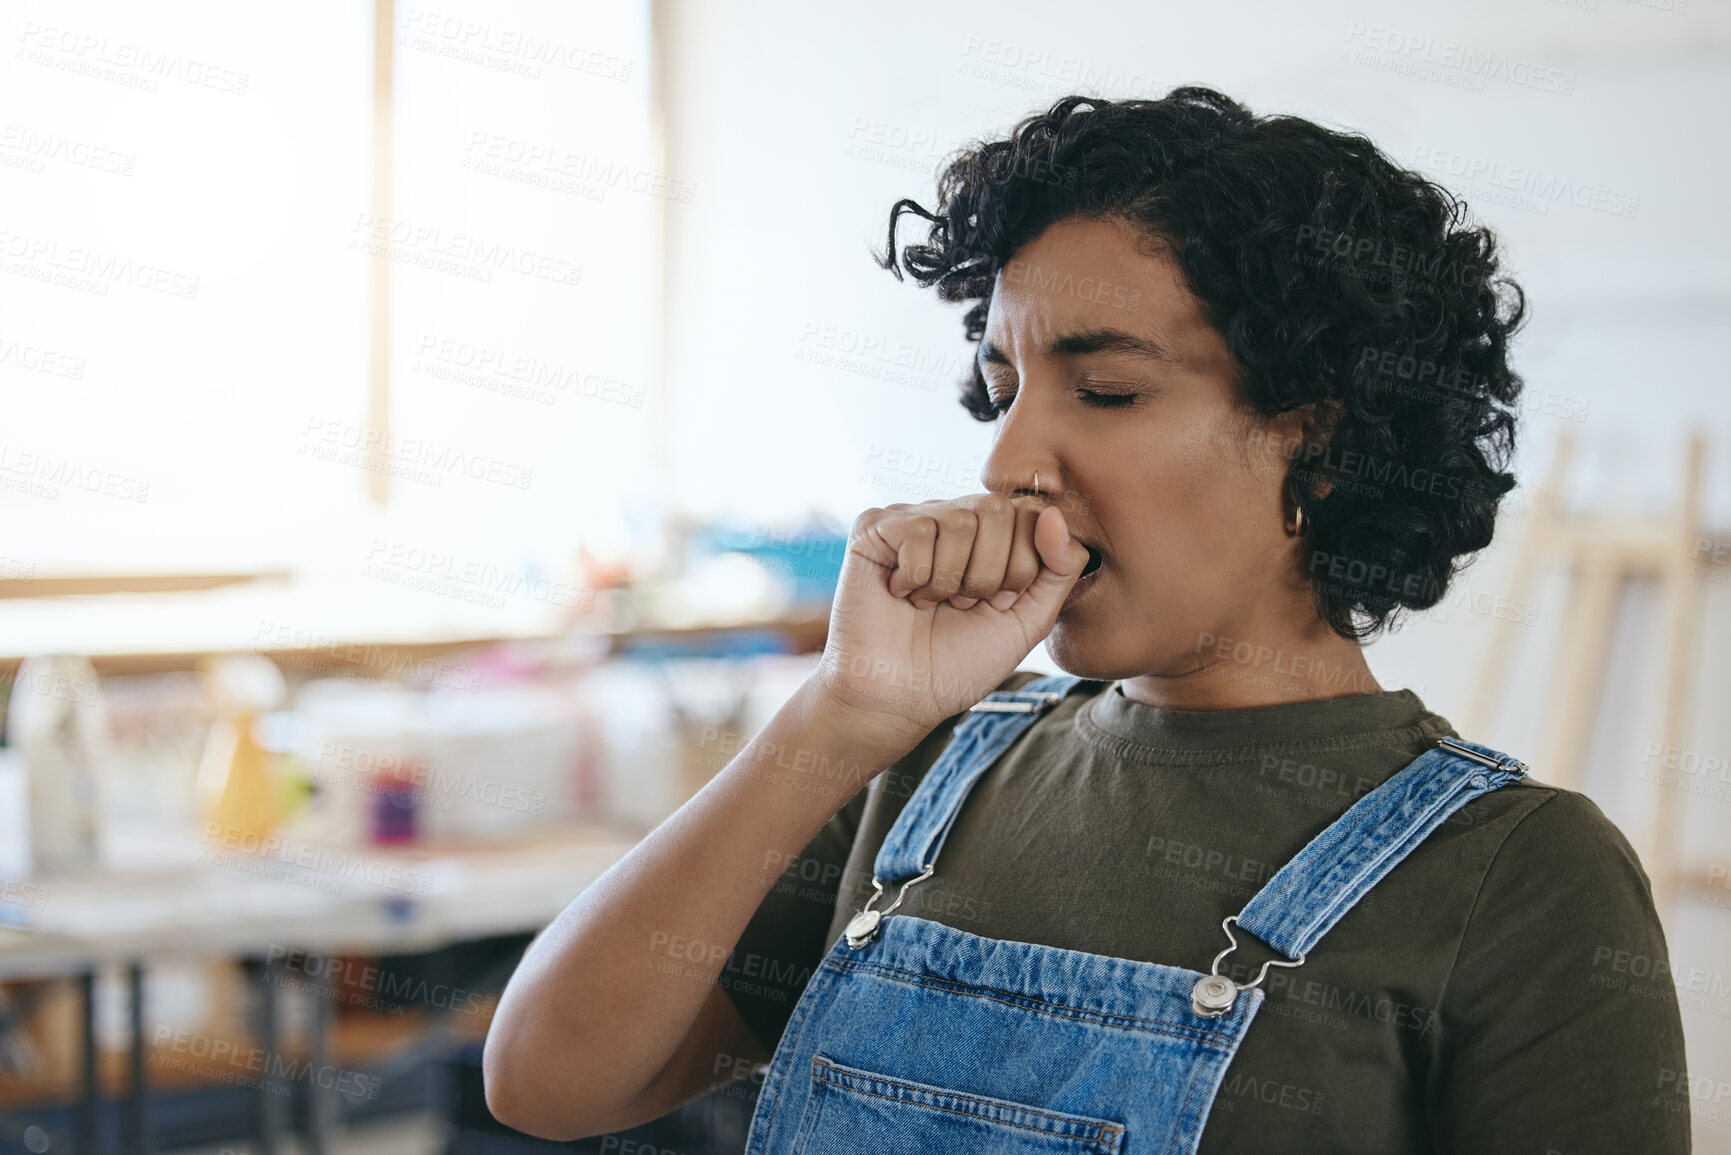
column 1034, row 480
column 1021, row 463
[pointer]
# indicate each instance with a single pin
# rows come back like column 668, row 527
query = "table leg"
column 138, row 1089
column 89, row 1124
column 323, row 1106
column 271, row 1095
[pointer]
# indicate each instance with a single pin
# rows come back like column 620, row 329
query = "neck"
column 1266, row 669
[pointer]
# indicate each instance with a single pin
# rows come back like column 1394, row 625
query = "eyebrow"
column 1088, row 341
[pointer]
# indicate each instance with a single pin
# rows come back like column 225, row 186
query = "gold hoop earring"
column 1298, row 521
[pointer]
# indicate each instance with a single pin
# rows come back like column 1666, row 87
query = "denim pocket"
column 851, row 1111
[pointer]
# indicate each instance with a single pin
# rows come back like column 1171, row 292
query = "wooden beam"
column 379, row 320
column 1683, row 634
column 89, row 584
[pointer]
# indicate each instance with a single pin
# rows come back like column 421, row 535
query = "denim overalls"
column 913, row 1038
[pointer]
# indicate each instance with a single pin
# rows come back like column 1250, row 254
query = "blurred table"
column 230, row 904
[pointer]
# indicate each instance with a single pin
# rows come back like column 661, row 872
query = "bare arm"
column 614, row 1015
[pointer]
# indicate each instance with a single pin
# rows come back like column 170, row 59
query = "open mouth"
column 1086, row 579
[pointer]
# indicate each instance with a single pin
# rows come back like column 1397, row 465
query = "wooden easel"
column 1601, row 552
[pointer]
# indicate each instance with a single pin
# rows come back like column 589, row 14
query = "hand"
column 938, row 603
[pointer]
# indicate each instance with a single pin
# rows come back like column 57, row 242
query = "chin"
column 1077, row 653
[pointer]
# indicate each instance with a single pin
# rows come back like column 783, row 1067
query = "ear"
column 1312, row 428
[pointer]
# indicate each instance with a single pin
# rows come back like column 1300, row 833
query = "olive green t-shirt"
column 1478, row 999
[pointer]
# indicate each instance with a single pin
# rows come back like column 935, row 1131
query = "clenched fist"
column 938, row 603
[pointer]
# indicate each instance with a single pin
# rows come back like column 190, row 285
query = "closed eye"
column 1090, row 397
column 1106, row 400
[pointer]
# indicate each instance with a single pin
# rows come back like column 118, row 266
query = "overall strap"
column 1322, row 882
column 989, row 728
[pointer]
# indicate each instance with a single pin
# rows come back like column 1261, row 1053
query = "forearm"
column 605, row 995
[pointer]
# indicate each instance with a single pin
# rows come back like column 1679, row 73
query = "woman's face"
column 1124, row 400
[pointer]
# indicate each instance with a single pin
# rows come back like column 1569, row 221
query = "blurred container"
column 237, row 781
column 354, row 736
column 499, row 760
column 393, row 765
column 56, row 722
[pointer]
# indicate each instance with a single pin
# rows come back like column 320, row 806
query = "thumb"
column 1062, row 560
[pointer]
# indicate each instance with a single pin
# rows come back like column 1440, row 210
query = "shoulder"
column 1563, row 890
column 1558, row 1017
column 1559, row 842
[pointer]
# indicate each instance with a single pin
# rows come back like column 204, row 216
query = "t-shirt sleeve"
column 1560, row 1029
column 787, row 936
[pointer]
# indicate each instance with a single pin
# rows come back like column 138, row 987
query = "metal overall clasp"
column 1214, row 993
column 1465, row 751
column 863, row 927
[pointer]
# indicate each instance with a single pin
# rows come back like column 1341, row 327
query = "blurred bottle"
column 56, row 721
column 237, row 787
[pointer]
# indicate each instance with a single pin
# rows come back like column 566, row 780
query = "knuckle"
column 945, row 581
column 1021, row 572
column 960, row 517
column 976, row 586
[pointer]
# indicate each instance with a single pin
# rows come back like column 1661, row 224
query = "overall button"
column 862, row 926
column 1478, row 781
column 1213, row 995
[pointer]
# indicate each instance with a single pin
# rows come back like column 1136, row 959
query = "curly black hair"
column 1338, row 280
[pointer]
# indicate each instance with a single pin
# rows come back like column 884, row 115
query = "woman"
column 1215, row 889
